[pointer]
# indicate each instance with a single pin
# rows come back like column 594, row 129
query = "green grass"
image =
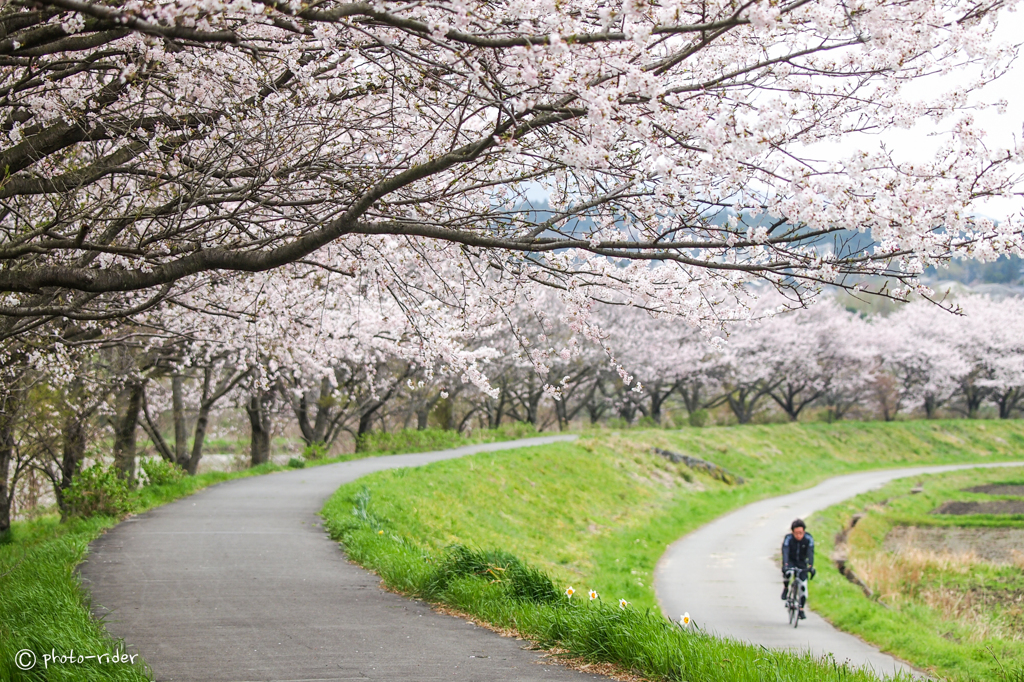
column 491, row 585
column 625, row 505
column 412, row 440
column 43, row 606
column 599, row 513
column 958, row 619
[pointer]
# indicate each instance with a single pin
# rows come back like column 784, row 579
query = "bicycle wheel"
column 794, row 604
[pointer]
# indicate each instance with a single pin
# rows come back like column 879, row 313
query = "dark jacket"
column 798, row 553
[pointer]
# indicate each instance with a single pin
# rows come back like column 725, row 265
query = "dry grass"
column 908, row 576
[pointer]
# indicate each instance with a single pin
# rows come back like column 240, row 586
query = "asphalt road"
column 726, row 576
column 240, row 583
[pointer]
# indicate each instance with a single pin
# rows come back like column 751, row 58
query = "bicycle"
column 793, row 597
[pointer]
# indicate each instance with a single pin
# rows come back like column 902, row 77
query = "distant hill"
column 1008, row 270
column 1004, row 276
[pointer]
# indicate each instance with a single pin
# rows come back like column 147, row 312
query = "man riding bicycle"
column 798, row 558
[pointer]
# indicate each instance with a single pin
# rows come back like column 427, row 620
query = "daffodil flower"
column 593, row 595
column 684, row 620
column 623, row 603
column 569, row 592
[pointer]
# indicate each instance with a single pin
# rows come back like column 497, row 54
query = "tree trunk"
column 301, row 410
column 323, row 412
column 787, row 402
column 125, row 430
column 6, row 454
column 178, row 412
column 741, row 406
column 366, row 425
column 72, row 456
column 315, row 431
column 259, row 420
column 691, row 398
column 494, row 416
column 465, row 419
column 973, row 398
column 658, row 399
column 202, row 421
column 656, row 403
column 153, row 431
column 421, row 418
column 1007, row 401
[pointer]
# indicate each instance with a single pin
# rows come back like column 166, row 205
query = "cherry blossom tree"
column 847, row 356
column 798, row 343
column 169, row 160
column 151, row 148
column 746, row 368
column 919, row 349
column 988, row 337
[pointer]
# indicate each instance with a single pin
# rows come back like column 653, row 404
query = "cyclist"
column 798, row 556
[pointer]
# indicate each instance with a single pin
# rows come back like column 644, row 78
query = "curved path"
column 726, row 576
column 240, row 583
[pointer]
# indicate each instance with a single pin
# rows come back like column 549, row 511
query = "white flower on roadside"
column 593, row 595
column 684, row 620
column 623, row 603
column 569, row 592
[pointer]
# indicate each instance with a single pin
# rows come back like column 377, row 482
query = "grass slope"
column 956, row 616
column 43, row 607
column 598, row 514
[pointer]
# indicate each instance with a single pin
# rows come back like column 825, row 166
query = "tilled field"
column 998, row 545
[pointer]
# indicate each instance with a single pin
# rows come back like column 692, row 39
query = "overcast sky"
column 1002, row 129
column 921, row 142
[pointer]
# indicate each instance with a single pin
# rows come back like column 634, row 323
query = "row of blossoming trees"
column 308, row 209
column 333, row 365
column 918, row 361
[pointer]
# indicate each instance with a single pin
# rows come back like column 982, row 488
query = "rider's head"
column 798, row 527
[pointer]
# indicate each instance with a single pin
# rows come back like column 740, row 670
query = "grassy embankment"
column 598, row 513
column 43, row 606
column 938, row 605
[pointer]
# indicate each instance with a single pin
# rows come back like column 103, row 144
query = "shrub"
column 410, row 440
column 97, row 491
column 296, row 463
column 828, row 415
column 513, row 430
column 519, row 581
column 698, row 418
column 161, row 472
column 315, row 450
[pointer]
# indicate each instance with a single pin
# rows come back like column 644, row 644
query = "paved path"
column 239, row 583
column 725, row 575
